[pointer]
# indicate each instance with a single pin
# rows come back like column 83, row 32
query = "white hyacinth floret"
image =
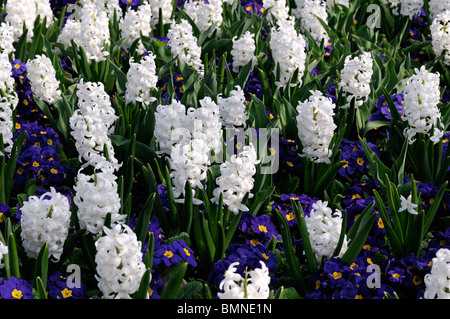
column 141, row 81
column 236, row 179
column 288, row 51
column 324, row 229
column 45, row 219
column 42, row 76
column 243, row 51
column 119, row 262
column 96, row 195
column 316, row 127
column 437, row 282
column 183, row 45
column 421, row 97
column 254, row 285
column 355, row 78
column 440, row 36
column 91, row 124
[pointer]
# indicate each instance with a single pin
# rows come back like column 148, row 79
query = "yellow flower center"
column 66, row 293
column 17, row 294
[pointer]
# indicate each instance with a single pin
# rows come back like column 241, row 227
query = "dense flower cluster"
column 309, row 11
column 421, row 97
column 45, row 219
column 355, row 78
column 324, row 228
column 90, row 32
column 96, row 196
column 23, row 12
column 243, row 51
column 119, row 262
column 134, row 23
column 42, row 76
column 8, row 102
column 255, row 285
column 316, row 127
column 288, row 51
column 236, row 179
column 441, row 35
column 141, row 80
column 205, row 14
column 183, row 45
column 232, row 109
column 91, row 123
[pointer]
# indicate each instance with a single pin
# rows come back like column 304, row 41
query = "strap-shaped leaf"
column 307, row 247
column 142, row 291
column 291, row 258
column 174, row 284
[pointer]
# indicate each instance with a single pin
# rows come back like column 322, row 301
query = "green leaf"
column 41, row 265
column 355, row 246
column 190, row 290
column 13, row 256
column 291, row 258
column 41, row 291
column 143, row 285
column 141, row 227
column 307, row 247
column 174, row 284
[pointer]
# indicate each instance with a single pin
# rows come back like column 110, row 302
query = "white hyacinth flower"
column 324, row 229
column 42, row 76
column 141, row 80
column 437, row 282
column 408, row 8
column 166, row 9
column 97, row 195
column 8, row 101
column 91, row 32
column 309, row 11
column 278, row 10
column 91, row 124
column 440, row 35
column 255, row 284
column 205, row 14
column 6, row 38
column 109, row 6
column 232, row 109
column 316, row 127
column 204, row 123
column 167, row 119
column 45, row 219
column 288, row 51
column 355, row 78
column 134, row 23
column 3, row 252
column 236, row 179
column 436, row 7
column 25, row 12
column 183, row 45
column 421, row 97
column 189, row 162
column 119, row 262
column 243, row 51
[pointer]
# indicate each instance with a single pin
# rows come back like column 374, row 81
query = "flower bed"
column 224, row 149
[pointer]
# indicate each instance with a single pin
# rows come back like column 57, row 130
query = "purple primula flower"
column 18, row 67
column 16, row 288
column 167, row 254
column 58, row 288
column 185, row 252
